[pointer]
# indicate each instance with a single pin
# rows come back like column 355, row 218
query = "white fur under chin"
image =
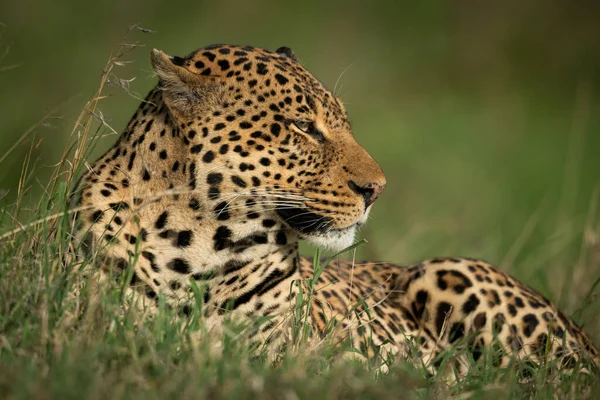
column 334, row 240
column 337, row 240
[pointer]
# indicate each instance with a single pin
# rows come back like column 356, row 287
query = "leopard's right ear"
column 185, row 92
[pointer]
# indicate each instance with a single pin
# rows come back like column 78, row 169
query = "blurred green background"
column 484, row 115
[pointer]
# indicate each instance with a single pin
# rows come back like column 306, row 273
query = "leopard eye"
column 304, row 126
column 310, row 129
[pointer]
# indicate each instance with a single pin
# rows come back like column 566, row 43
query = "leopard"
column 236, row 156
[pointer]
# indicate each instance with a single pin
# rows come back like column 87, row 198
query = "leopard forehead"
column 267, row 75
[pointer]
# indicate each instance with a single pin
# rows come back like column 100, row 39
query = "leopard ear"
column 286, row 52
column 185, row 92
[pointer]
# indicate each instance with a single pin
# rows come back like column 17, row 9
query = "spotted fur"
column 236, row 155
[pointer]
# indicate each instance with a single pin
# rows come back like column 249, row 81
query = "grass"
column 54, row 346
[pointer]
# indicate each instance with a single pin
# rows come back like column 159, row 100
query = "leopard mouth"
column 303, row 221
column 318, row 229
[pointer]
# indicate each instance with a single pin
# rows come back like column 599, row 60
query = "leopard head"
column 262, row 128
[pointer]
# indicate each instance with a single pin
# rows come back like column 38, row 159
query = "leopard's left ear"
column 185, row 92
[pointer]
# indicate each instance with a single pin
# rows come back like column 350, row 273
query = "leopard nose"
column 370, row 191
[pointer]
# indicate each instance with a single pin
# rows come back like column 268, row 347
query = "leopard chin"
column 334, row 240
